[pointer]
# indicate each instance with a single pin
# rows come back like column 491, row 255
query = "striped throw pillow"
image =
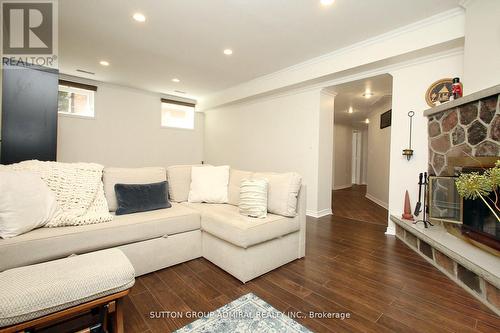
column 253, row 198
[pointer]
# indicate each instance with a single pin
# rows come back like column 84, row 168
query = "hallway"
column 351, row 203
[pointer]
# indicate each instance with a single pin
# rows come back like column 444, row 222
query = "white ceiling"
column 351, row 95
column 185, row 38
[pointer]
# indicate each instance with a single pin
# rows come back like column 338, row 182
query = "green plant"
column 475, row 185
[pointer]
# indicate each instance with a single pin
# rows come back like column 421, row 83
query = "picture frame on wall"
column 385, row 119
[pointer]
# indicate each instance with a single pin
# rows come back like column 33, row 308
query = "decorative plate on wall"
column 439, row 92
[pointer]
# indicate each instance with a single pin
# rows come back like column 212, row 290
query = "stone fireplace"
column 458, row 133
column 464, row 136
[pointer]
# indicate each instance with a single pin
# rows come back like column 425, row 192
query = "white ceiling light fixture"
column 367, row 121
column 228, row 51
column 327, row 2
column 350, row 110
column 139, row 17
column 104, row 63
column 176, row 80
column 367, row 94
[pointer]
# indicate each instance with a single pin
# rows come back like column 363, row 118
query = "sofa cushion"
column 253, row 198
column 225, row 222
column 235, row 178
column 283, row 190
column 52, row 243
column 113, row 176
column 135, row 198
column 179, row 181
column 209, row 184
column 26, row 203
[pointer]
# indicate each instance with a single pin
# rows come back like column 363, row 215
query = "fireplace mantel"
column 495, row 90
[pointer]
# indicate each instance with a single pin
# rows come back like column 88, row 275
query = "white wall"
column 482, row 45
column 342, row 172
column 325, row 155
column 279, row 133
column 409, row 86
column 379, row 142
column 126, row 132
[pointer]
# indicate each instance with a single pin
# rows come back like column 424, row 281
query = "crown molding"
column 328, row 93
column 379, row 38
column 320, row 86
column 296, row 75
column 466, row 3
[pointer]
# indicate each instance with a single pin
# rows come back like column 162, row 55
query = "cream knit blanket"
column 78, row 188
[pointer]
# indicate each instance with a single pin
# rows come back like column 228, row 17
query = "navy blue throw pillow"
column 135, row 198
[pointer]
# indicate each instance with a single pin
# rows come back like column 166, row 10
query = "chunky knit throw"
column 78, row 188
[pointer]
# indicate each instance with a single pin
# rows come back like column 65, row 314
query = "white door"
column 356, row 157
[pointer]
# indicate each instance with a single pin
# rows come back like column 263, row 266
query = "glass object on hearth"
column 445, row 204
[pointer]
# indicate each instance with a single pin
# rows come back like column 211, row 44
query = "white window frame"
column 91, row 99
column 178, row 107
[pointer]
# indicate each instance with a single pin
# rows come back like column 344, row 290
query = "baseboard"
column 377, row 201
column 390, row 231
column 319, row 213
column 341, row 187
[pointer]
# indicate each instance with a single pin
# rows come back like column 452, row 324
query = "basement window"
column 176, row 114
column 76, row 99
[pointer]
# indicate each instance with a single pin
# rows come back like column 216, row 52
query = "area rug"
column 247, row 314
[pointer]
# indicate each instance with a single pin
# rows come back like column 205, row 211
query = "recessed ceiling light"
column 228, row 51
column 367, row 94
column 327, row 2
column 139, row 17
column 367, row 121
column 104, row 63
column 176, row 80
column 350, row 110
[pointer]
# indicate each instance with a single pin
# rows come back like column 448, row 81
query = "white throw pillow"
column 253, row 198
column 283, row 190
column 235, row 179
column 26, row 203
column 209, row 184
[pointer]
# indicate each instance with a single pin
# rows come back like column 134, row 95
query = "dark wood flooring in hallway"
column 351, row 203
column 350, row 266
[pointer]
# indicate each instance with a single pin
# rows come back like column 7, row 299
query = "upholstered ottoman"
column 37, row 295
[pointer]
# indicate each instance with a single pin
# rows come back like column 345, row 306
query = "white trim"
column 390, row 231
column 377, row 201
column 328, row 93
column 318, row 213
column 466, row 3
column 297, row 89
column 79, row 116
column 341, row 187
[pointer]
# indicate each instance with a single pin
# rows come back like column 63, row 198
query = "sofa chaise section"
column 242, row 246
column 247, row 248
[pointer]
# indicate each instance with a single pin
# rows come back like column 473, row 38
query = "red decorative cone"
column 407, row 215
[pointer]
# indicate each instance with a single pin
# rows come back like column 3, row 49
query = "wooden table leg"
column 118, row 317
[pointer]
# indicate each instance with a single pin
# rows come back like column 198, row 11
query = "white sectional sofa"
column 244, row 247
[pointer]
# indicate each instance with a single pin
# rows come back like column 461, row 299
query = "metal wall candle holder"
column 409, row 152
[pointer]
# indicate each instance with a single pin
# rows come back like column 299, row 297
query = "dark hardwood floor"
column 351, row 203
column 350, row 266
